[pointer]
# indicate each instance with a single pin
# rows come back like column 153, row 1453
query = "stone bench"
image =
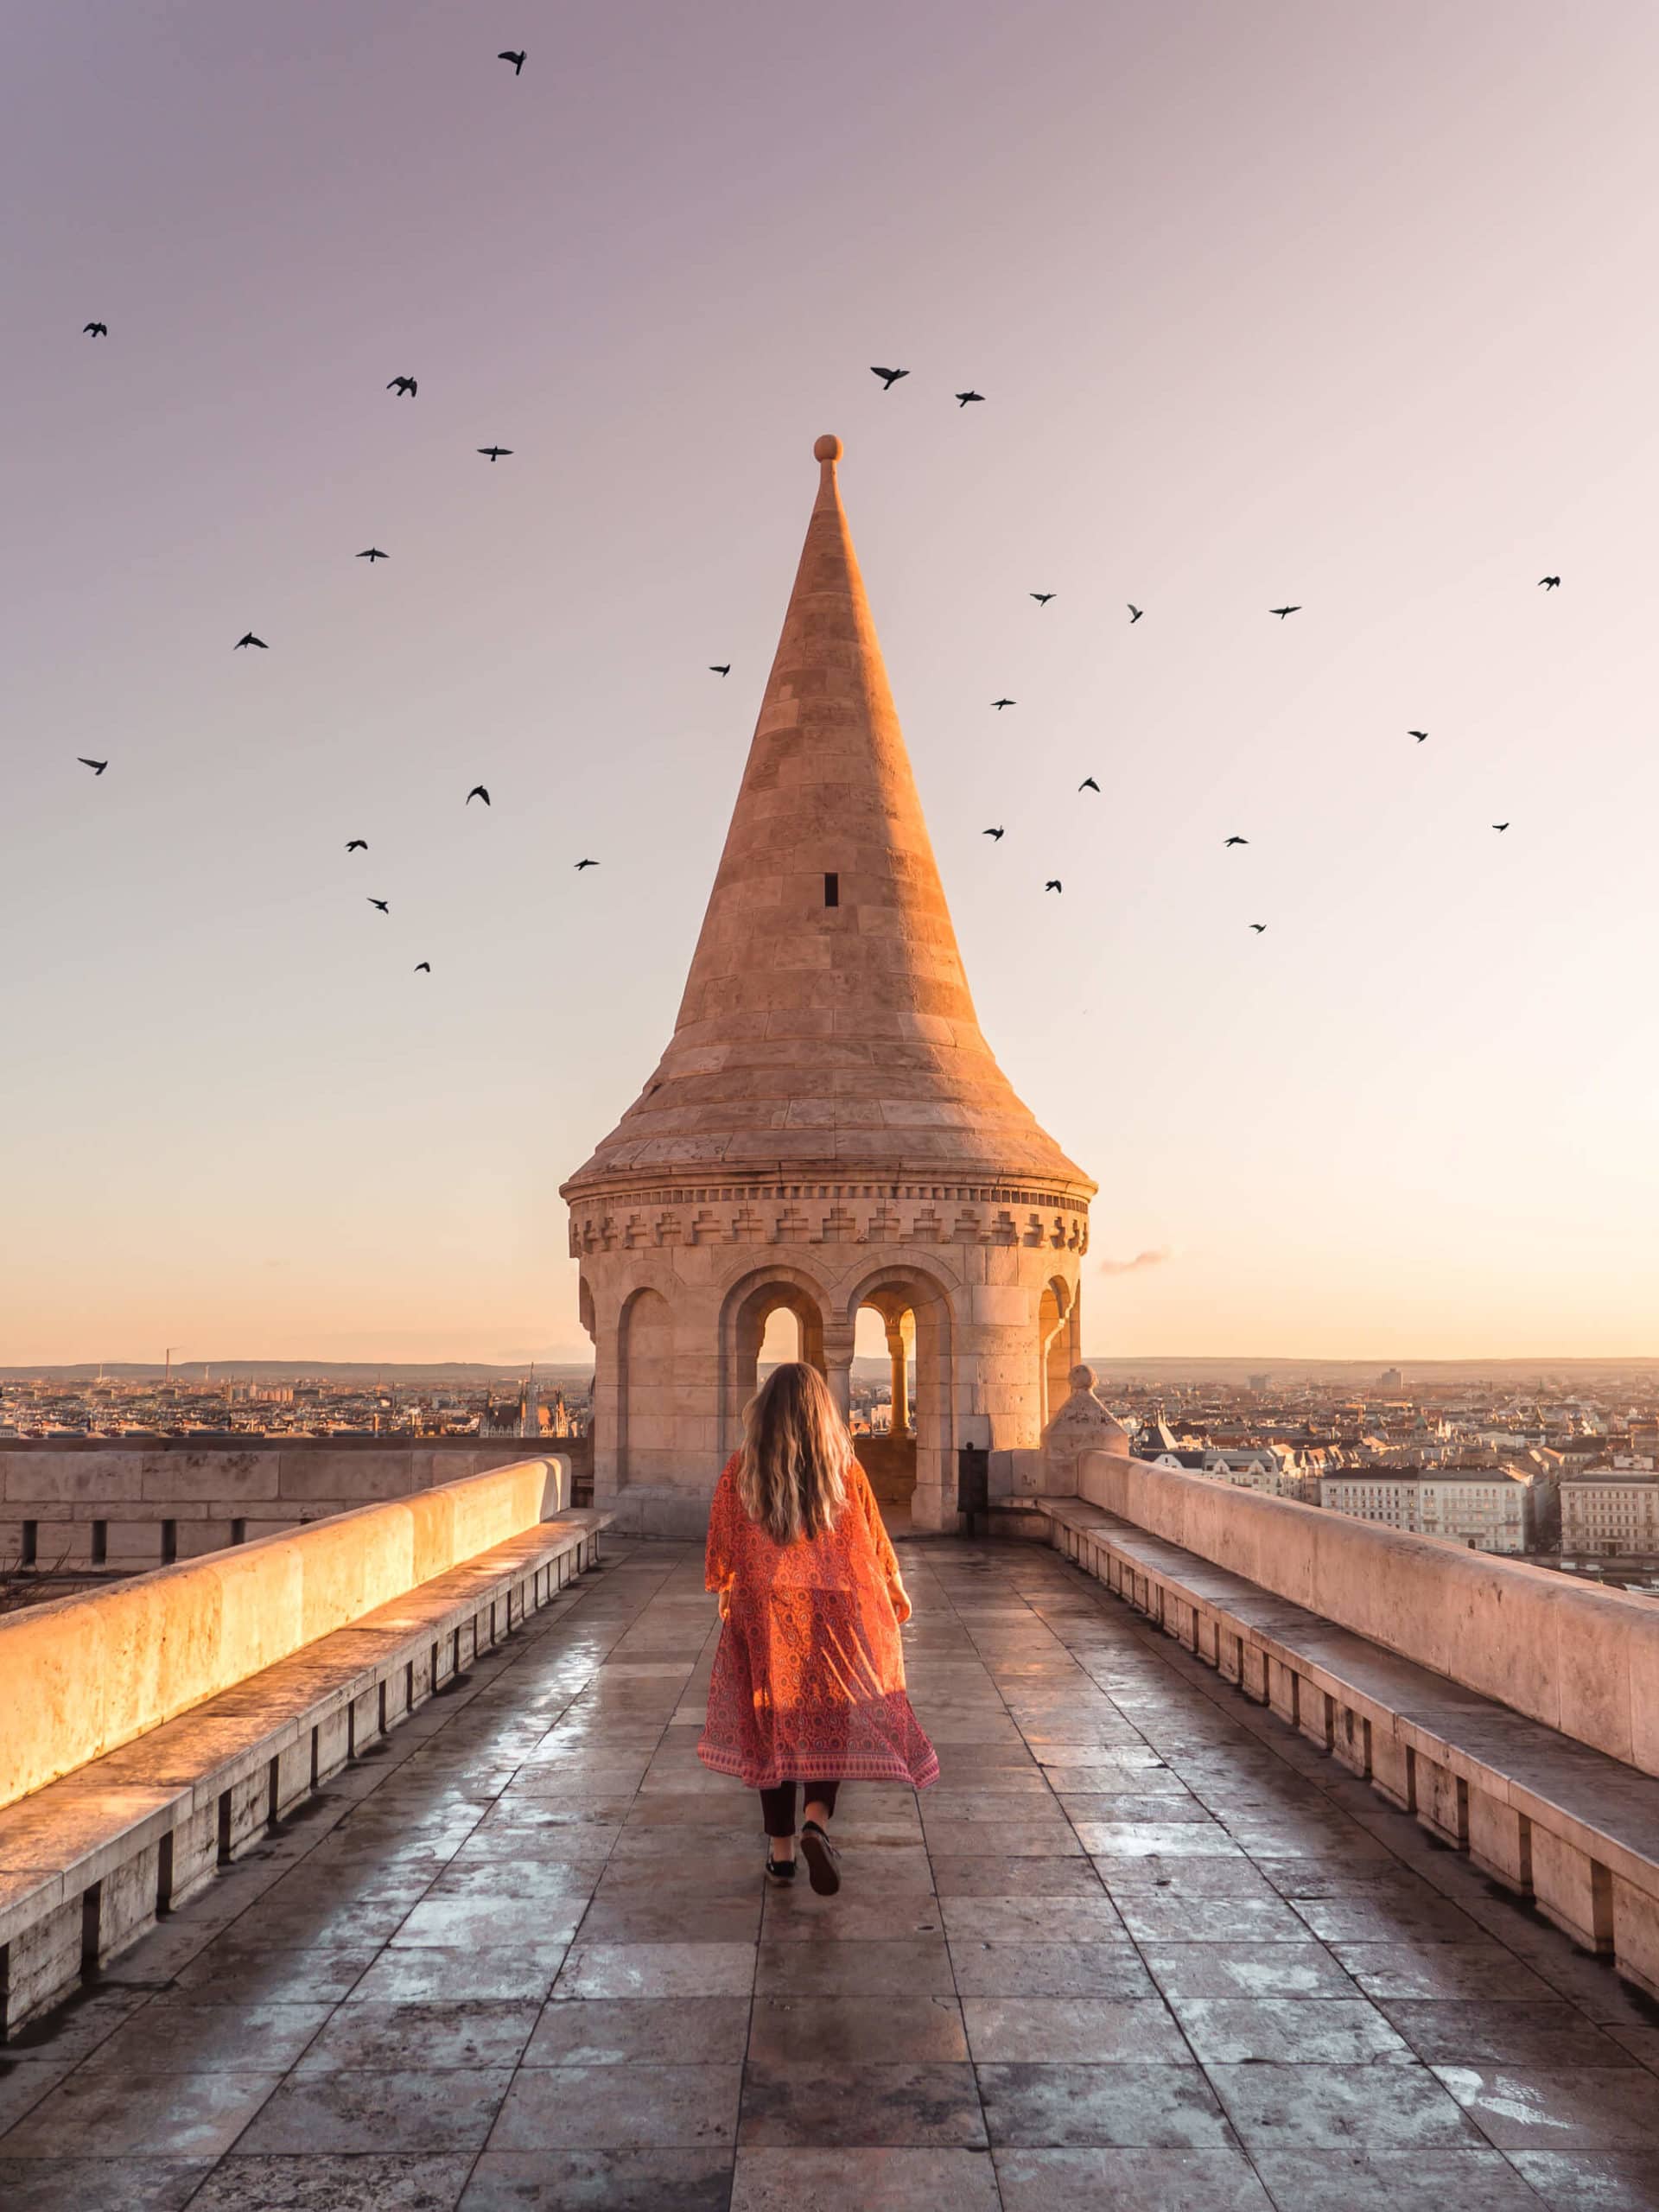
column 1554, row 1820
column 88, row 1862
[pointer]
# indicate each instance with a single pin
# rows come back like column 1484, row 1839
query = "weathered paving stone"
column 468, row 2032
column 630, row 2030
column 330, row 2183
column 375, row 2111
column 899, row 2106
column 919, row 1967
column 1447, row 2032
column 436, row 1976
column 155, row 2115
column 1403, row 2109
column 111, row 2185
column 615, row 2107
column 174, row 2035
column 1569, row 2108
column 601, row 2181
column 1092, row 1970
column 1132, row 2105
column 852, row 2180
column 1423, row 2181
column 856, row 2030
column 1059, row 2030
column 1150, row 2181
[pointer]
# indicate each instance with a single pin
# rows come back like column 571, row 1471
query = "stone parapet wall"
column 91, row 1495
column 92, row 1672
column 1574, row 1833
column 1583, row 1661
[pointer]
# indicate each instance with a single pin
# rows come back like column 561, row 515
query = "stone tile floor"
column 1142, row 1947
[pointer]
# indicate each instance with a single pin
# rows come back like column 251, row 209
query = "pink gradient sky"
column 1348, row 306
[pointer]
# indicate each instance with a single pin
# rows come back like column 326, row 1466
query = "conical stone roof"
column 828, row 1040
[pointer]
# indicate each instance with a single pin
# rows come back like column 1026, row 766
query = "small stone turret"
column 828, row 1127
column 1083, row 1424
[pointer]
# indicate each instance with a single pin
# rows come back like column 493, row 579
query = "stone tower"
column 828, row 1128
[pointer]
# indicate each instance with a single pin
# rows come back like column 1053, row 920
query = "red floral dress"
column 809, row 1676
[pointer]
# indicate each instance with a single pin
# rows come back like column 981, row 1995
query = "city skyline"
column 1408, row 1123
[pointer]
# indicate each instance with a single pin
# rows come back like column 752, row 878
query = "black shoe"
column 822, row 1860
column 781, row 1871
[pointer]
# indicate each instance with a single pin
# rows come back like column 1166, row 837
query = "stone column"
column 838, row 1366
column 898, row 1353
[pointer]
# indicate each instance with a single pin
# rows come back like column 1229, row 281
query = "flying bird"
column 495, row 453
column 250, row 640
column 889, row 376
column 372, row 554
column 1550, row 583
column 357, row 844
column 478, row 792
column 1421, row 736
column 405, row 387
column 720, row 668
column 1005, row 703
column 1088, row 785
column 96, row 330
column 517, row 59
column 97, row 766
column 582, row 864
column 1135, row 613
column 1042, row 597
column 1235, row 840
column 1500, row 825
column 422, row 966
column 1282, row 611
column 990, row 833
column 382, row 904
column 963, row 398
column 1260, row 928
column 1054, row 883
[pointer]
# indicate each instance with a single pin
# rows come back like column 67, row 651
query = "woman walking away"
column 808, row 1677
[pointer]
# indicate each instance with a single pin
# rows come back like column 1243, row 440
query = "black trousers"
column 778, row 1806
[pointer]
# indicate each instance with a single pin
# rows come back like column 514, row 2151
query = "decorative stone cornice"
column 823, row 1213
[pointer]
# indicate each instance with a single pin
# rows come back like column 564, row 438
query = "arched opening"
column 1057, row 1341
column 902, row 1359
column 883, row 1397
column 781, row 1340
column 766, row 1320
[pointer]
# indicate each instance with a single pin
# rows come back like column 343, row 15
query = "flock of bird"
column 408, row 387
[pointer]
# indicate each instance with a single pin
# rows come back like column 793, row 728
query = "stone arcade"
column 828, row 1128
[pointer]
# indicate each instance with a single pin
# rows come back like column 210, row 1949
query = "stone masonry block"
column 293, row 1774
column 43, row 1962
column 1393, row 1770
column 127, row 1902
column 1442, row 1801
column 333, row 1745
column 1636, row 1934
column 243, row 1810
column 195, row 1854
column 1573, row 1890
column 1350, row 1741
column 1500, row 1840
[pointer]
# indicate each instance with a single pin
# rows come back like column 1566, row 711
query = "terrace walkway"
column 1142, row 1946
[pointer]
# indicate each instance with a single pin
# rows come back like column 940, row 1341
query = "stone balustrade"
column 1514, row 1713
column 231, row 1689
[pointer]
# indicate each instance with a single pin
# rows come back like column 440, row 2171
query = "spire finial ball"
column 827, row 449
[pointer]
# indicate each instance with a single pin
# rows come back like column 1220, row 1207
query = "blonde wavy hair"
column 796, row 1455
